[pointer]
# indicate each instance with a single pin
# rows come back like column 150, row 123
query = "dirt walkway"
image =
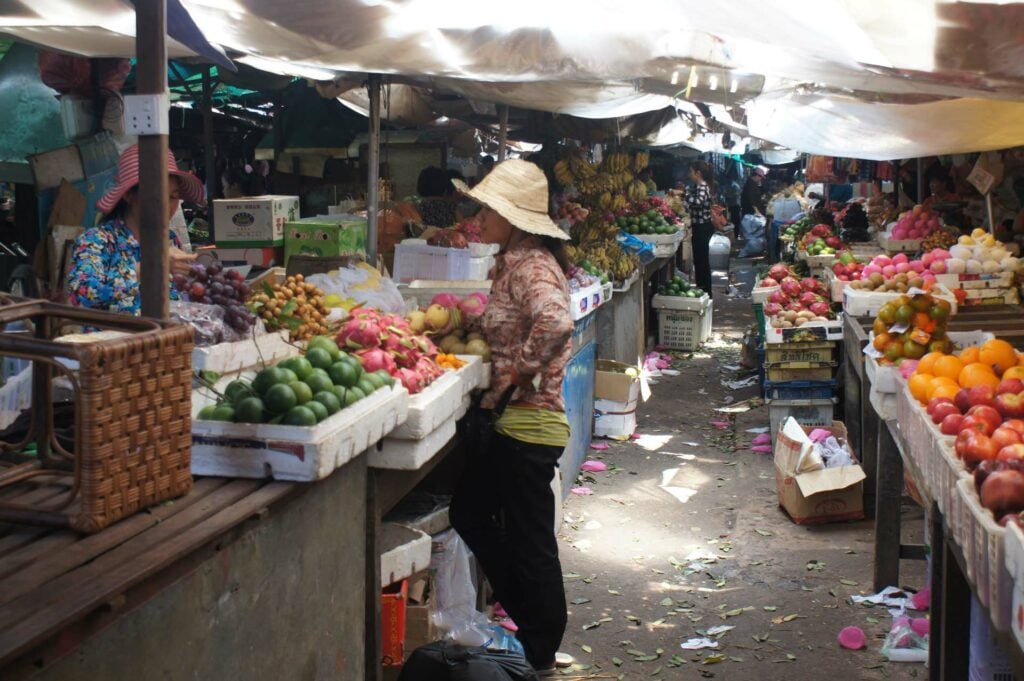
column 647, row 569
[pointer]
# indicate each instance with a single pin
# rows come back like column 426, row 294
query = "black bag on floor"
column 446, row 661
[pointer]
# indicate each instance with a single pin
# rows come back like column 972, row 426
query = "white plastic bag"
column 362, row 283
column 456, row 615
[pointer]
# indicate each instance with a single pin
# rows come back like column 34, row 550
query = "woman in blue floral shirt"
column 105, row 268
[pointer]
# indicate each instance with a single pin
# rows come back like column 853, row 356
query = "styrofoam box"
column 1014, row 555
column 835, row 286
column 628, row 283
column 410, row 455
column 259, row 450
column 761, row 294
column 471, row 375
column 431, row 407
column 991, row 579
column 414, row 259
column 665, row 245
column 891, row 245
column 606, row 293
column 817, row 262
column 886, row 377
column 861, row 303
column 244, row 354
column 884, row 404
column 910, row 416
column 614, row 419
column 976, row 281
column 946, row 473
column 679, row 303
column 585, row 301
column 479, row 250
column 403, row 552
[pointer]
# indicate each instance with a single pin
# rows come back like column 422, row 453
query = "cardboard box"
column 419, row 621
column 612, row 383
column 232, row 257
column 254, row 221
column 392, row 623
column 810, row 497
column 325, row 236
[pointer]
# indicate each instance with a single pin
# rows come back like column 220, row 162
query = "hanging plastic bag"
column 753, row 234
column 456, row 616
column 631, row 244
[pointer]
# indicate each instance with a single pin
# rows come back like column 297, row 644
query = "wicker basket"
column 132, row 423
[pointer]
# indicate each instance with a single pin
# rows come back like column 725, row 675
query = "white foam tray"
column 431, row 407
column 225, row 358
column 885, row 378
column 472, row 375
column 585, row 301
column 410, row 455
column 260, row 450
column 404, row 551
column 1014, row 550
column 861, row 303
column 761, row 294
column 661, row 302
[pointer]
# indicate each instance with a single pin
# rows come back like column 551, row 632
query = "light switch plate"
column 147, row 114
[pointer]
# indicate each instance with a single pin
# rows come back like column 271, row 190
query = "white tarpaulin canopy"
column 862, row 78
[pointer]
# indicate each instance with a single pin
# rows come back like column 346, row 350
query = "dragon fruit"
column 445, row 300
column 375, row 359
column 359, row 334
column 791, row 287
column 778, row 272
column 410, row 379
column 811, row 284
column 808, row 298
column 772, row 309
column 778, row 298
column 819, row 308
column 471, row 306
column 767, row 282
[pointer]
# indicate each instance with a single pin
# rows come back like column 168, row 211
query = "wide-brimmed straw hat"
column 518, row 191
column 128, row 177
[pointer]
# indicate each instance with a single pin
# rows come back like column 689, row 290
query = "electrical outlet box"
column 147, row 114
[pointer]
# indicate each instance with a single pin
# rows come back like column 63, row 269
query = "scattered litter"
column 720, row 629
column 592, row 466
column 853, row 638
column 763, row 429
column 763, row 449
column 669, row 372
column 762, row 439
column 698, row 644
column 582, row 491
column 733, row 367
column 692, row 444
column 599, row 446
column 748, row 382
column 890, row 597
column 720, row 424
column 592, row 525
column 922, row 599
column 763, row 533
column 669, row 484
column 635, row 436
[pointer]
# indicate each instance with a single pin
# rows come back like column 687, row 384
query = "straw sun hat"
column 518, row 191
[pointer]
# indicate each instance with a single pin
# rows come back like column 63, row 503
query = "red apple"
column 960, row 399
column 1010, row 385
column 981, row 394
column 984, row 469
column 951, row 424
column 1004, row 437
column 936, row 401
column 989, row 414
column 1010, row 404
column 976, row 447
column 943, row 410
column 1016, row 424
column 1003, row 492
column 1010, row 452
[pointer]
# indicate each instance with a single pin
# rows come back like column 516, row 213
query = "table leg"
column 956, row 617
column 852, row 409
column 870, row 425
column 937, row 539
column 888, row 490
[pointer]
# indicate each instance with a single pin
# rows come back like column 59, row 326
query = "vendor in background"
column 435, row 190
column 645, row 176
column 698, row 205
column 731, row 192
column 940, row 190
column 504, row 507
column 105, row 262
column 752, row 198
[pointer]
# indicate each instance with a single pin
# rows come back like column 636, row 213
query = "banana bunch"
column 617, row 163
column 606, row 255
column 581, row 168
column 605, row 200
column 641, row 160
column 596, row 185
column 619, row 202
column 637, row 191
column 563, row 173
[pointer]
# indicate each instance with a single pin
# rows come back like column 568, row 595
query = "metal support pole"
column 373, row 160
column 151, row 79
column 502, row 131
column 920, row 181
column 991, row 216
column 209, row 157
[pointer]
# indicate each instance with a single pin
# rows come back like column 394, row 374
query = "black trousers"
column 504, row 509
column 702, row 233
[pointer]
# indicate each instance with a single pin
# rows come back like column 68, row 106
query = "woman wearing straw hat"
column 105, row 267
column 504, row 507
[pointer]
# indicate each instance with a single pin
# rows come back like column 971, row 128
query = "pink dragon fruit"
column 778, row 298
column 819, row 309
column 445, row 300
column 360, row 334
column 410, row 379
column 772, row 309
column 767, row 282
column 808, row 298
column 375, row 359
column 810, row 284
column 778, row 272
column 791, row 287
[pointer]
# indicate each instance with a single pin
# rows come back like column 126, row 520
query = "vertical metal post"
column 502, row 131
column 151, row 79
column 920, row 181
column 991, row 215
column 209, row 157
column 373, row 160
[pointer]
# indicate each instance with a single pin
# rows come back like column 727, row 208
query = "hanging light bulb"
column 713, row 82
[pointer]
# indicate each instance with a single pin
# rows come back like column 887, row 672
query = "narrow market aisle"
column 684, row 534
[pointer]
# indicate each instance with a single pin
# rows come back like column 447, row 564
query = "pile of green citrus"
column 300, row 391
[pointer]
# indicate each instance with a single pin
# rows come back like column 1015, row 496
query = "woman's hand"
column 180, row 261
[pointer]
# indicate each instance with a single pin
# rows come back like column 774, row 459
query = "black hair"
column 557, row 248
column 119, row 210
column 433, row 182
column 706, row 174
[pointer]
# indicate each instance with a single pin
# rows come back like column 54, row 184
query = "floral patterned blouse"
column 528, row 325
column 104, row 270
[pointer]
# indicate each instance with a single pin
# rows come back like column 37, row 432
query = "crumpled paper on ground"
column 698, row 643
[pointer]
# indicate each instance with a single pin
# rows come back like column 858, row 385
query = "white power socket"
column 147, row 114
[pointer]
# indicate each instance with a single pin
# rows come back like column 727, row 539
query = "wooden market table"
column 236, row 565
column 886, row 461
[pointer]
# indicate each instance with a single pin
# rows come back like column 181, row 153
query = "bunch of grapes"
column 214, row 286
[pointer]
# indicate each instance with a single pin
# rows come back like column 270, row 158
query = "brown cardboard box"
column 611, row 383
column 419, row 623
column 818, row 496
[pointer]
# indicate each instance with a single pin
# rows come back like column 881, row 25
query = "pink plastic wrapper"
column 592, row 466
column 819, row 434
column 599, row 446
column 763, row 449
column 762, row 439
column 853, row 638
column 582, row 491
column 922, row 599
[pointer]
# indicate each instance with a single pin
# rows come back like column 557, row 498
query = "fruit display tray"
column 984, row 553
column 679, row 302
column 760, row 294
column 225, row 358
column 814, row 332
column 296, row 453
column 886, row 377
column 472, row 375
column 431, row 407
column 861, row 303
column 585, row 301
column 1014, row 556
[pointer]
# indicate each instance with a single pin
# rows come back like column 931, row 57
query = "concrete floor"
column 626, row 549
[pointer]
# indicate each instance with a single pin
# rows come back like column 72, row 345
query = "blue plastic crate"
column 800, row 390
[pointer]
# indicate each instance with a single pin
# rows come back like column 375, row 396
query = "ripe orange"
column 882, row 341
column 947, row 390
column 919, row 385
column 941, row 383
column 970, row 355
column 927, row 363
column 977, row 374
column 948, row 366
column 1014, row 372
column 998, row 354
